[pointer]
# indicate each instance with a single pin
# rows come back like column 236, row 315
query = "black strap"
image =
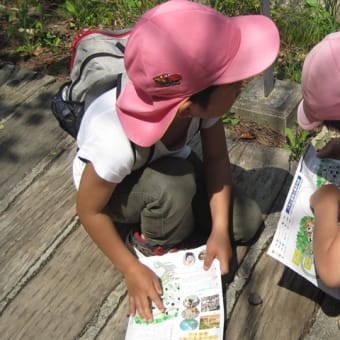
column 120, row 46
column 200, row 125
column 152, row 150
column 119, row 85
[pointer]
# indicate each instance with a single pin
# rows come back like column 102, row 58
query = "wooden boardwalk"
column 56, row 284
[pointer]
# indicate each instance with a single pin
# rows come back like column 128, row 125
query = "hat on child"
column 321, row 84
column 181, row 47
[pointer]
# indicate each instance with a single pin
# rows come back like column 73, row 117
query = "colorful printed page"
column 292, row 243
column 192, row 298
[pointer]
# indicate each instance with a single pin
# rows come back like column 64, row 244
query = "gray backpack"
column 97, row 65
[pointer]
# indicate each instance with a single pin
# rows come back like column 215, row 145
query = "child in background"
column 185, row 63
column 321, row 105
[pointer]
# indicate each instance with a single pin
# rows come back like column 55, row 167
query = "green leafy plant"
column 82, row 12
column 296, row 142
column 332, row 7
column 302, row 24
column 232, row 7
column 230, row 120
column 52, row 41
column 27, row 24
column 127, row 12
column 114, row 13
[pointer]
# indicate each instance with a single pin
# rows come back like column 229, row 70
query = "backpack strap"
column 142, row 155
column 122, row 79
column 199, row 125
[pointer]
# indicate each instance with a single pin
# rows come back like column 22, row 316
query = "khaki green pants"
column 168, row 202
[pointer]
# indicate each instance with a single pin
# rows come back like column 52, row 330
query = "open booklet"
column 192, row 298
column 292, row 243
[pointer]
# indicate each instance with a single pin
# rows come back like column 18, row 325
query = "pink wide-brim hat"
column 180, row 48
column 320, row 84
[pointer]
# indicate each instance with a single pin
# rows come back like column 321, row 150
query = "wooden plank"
column 288, row 301
column 287, row 309
column 68, row 293
column 327, row 323
column 5, row 73
column 34, row 221
column 260, row 172
column 20, row 85
column 263, row 176
column 251, row 156
column 116, row 325
column 63, row 284
column 29, row 137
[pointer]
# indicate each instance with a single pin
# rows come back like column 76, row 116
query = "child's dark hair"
column 202, row 98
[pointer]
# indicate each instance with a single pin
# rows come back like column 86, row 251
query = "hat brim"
column 145, row 120
column 303, row 120
column 259, row 47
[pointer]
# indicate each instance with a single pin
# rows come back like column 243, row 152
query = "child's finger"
column 224, row 268
column 208, row 261
column 158, row 286
column 132, row 306
column 144, row 309
column 155, row 297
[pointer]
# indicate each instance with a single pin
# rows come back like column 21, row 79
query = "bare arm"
column 218, row 180
column 142, row 284
column 325, row 203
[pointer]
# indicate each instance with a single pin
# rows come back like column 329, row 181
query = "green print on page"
column 170, row 298
column 304, row 236
column 303, row 254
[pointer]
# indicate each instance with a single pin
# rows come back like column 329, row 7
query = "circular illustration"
column 189, row 258
column 190, row 313
column 201, row 255
column 191, row 301
column 307, row 265
column 188, row 325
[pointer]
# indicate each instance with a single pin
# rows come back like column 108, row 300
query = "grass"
column 302, row 25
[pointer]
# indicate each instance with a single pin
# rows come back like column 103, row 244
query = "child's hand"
column 218, row 245
column 331, row 150
column 143, row 287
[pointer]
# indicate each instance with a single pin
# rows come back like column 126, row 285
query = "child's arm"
column 142, row 283
column 325, row 203
column 218, row 180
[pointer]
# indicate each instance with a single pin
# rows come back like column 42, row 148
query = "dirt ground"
column 56, row 63
column 44, row 60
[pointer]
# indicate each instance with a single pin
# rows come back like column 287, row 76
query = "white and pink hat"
column 181, row 47
column 321, row 84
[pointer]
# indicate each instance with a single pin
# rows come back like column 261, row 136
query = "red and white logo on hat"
column 167, row 79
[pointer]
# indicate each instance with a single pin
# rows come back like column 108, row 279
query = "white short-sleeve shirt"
column 102, row 141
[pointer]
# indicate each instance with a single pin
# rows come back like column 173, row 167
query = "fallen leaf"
column 247, row 135
column 49, row 61
column 40, row 50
